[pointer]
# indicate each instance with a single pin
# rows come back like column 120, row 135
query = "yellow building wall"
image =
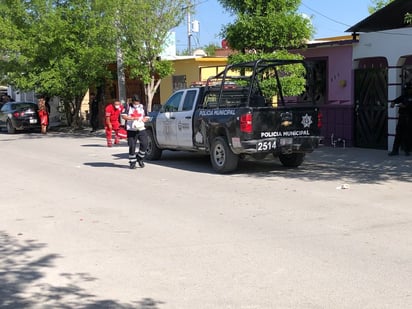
column 194, row 69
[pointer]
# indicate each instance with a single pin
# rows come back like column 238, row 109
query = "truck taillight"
column 246, row 123
column 320, row 120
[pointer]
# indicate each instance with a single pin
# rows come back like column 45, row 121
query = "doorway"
column 371, row 101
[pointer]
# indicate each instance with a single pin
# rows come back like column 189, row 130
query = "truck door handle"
column 188, row 117
column 172, row 117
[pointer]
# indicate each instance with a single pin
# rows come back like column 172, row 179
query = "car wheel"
column 292, row 159
column 153, row 152
column 10, row 128
column 221, row 156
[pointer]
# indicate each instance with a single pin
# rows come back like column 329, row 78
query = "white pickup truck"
column 231, row 118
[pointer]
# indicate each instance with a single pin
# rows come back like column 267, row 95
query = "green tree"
column 377, row 5
column 61, row 47
column 266, row 25
column 292, row 77
column 210, row 49
column 144, row 27
column 408, row 18
column 56, row 48
column 266, row 29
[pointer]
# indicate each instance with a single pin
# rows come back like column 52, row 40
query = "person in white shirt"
column 134, row 115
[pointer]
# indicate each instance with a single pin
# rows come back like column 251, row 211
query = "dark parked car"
column 19, row 116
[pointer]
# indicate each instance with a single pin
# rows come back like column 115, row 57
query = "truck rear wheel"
column 221, row 156
column 292, row 159
column 153, row 152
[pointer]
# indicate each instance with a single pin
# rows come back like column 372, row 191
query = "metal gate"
column 371, row 101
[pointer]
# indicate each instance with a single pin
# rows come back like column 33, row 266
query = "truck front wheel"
column 292, row 159
column 152, row 152
column 222, row 158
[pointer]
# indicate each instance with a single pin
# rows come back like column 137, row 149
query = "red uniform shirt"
column 44, row 117
column 114, row 115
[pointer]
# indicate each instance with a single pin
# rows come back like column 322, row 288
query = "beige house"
column 188, row 71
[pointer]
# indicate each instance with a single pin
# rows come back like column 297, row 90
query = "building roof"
column 333, row 41
column 197, row 59
column 392, row 16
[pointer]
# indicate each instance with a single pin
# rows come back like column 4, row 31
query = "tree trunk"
column 150, row 90
column 68, row 112
column 77, row 121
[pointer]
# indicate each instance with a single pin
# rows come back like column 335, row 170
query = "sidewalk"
column 86, row 131
column 369, row 165
column 360, row 156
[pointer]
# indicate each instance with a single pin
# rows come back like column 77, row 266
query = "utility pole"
column 192, row 27
column 189, row 30
column 121, row 77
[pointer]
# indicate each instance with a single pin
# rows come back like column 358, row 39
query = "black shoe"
column 407, row 153
column 141, row 163
column 133, row 165
column 393, row 153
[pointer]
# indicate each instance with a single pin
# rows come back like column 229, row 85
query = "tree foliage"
column 55, row 48
column 377, row 5
column 265, row 29
column 292, row 77
column 62, row 47
column 210, row 49
column 408, row 18
column 144, row 28
column 266, row 25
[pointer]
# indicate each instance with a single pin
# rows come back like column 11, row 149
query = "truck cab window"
column 189, row 100
column 172, row 105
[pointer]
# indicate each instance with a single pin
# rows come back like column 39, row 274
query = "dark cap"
column 136, row 98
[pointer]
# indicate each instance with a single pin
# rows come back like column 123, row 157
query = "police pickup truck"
column 240, row 112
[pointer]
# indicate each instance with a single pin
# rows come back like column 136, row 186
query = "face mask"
column 116, row 106
column 136, row 105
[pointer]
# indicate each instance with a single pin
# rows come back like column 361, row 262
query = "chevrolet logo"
column 286, row 119
column 286, row 123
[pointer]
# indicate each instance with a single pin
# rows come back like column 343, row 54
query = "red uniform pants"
column 109, row 135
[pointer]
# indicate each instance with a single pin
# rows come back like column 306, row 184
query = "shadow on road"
column 95, row 145
column 21, row 272
column 105, row 164
column 57, row 132
column 357, row 165
column 351, row 165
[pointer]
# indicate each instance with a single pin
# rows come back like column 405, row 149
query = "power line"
column 323, row 15
column 341, row 23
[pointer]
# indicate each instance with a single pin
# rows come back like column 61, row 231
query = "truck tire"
column 292, row 159
column 153, row 152
column 221, row 156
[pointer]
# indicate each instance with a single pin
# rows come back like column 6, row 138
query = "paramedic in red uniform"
column 112, row 113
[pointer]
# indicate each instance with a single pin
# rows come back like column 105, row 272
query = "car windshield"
column 25, row 105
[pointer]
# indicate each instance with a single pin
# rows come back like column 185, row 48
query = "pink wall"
column 338, row 111
column 339, row 66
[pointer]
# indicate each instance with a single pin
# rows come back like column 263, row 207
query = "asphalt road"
column 78, row 229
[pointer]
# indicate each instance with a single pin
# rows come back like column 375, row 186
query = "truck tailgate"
column 285, row 122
